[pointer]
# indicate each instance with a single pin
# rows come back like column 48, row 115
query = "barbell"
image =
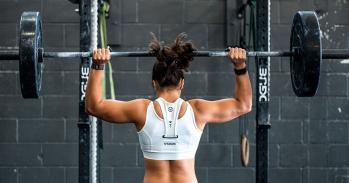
column 305, row 54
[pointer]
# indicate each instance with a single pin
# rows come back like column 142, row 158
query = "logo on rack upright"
column 83, row 85
column 263, row 85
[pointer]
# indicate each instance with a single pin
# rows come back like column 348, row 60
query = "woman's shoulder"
column 196, row 101
column 141, row 102
column 138, row 105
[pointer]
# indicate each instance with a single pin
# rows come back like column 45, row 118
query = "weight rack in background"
column 262, row 91
column 84, row 123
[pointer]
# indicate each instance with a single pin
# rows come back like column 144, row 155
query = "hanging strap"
column 170, row 112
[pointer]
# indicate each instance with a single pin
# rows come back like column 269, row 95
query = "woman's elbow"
column 246, row 107
column 88, row 110
column 91, row 108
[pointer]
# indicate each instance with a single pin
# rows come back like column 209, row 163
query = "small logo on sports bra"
column 170, row 143
column 170, row 109
column 170, row 124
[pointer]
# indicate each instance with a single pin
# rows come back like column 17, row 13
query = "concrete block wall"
column 309, row 139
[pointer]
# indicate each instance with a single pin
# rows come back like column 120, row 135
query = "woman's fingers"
column 104, row 56
column 237, row 55
column 94, row 55
column 108, row 54
column 241, row 54
column 101, row 56
column 244, row 54
column 234, row 51
column 98, row 56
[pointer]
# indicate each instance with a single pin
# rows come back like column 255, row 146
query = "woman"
column 169, row 128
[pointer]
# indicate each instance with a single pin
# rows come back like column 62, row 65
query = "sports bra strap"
column 170, row 112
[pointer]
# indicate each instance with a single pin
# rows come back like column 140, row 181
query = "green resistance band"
column 104, row 10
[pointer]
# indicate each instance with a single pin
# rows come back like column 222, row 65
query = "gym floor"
column 309, row 137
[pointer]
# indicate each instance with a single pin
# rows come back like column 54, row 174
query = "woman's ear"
column 155, row 84
column 181, row 84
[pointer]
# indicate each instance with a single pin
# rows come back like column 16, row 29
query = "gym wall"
column 309, row 139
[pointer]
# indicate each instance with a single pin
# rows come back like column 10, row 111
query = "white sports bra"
column 169, row 138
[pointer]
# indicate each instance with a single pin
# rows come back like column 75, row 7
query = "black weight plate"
column 30, row 61
column 306, row 42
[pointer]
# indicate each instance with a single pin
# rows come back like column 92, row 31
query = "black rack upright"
column 84, row 122
column 263, row 92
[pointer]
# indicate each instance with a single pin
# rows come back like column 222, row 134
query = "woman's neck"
column 169, row 95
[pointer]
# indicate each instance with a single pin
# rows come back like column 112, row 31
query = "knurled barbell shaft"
column 12, row 54
column 147, row 54
column 326, row 54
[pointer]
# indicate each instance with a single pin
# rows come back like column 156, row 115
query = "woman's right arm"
column 227, row 109
column 109, row 110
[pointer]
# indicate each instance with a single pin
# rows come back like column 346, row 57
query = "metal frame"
column 94, row 131
column 84, row 121
column 262, row 94
column 86, row 169
column 262, row 91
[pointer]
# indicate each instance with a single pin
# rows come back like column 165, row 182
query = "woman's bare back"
column 169, row 171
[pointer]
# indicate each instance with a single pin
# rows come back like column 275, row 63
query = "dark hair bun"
column 155, row 48
column 184, row 50
column 178, row 55
column 172, row 60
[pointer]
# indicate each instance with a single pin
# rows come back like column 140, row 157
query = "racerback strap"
column 170, row 112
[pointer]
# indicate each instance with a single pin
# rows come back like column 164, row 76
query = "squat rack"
column 305, row 54
column 262, row 97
